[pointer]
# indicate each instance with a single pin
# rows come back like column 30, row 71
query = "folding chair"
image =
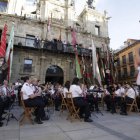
column 133, row 106
column 27, row 113
column 63, row 104
column 73, row 111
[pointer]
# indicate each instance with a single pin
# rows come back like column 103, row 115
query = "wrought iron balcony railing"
column 52, row 46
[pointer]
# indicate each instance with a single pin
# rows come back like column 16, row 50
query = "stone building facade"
column 48, row 20
column 127, row 61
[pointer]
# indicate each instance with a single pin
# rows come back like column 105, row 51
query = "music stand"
column 95, row 92
column 9, row 114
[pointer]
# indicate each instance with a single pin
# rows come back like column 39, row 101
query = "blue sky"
column 124, row 23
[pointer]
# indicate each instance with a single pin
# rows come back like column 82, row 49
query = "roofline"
column 132, row 45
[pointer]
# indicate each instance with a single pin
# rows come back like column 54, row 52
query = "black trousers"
column 107, row 100
column 83, row 105
column 39, row 104
column 57, row 101
column 125, row 101
column 117, row 100
column 1, row 108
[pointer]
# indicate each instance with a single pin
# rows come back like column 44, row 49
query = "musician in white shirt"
column 6, row 94
column 79, row 101
column 38, row 90
column 118, row 93
column 128, row 99
column 31, row 99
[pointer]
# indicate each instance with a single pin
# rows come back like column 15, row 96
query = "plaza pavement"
column 107, row 127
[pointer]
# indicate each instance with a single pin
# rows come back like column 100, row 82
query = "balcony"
column 51, row 46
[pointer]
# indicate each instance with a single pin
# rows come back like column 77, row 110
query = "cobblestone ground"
column 106, row 127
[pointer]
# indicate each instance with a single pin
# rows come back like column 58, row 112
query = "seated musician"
column 32, row 99
column 37, row 89
column 128, row 99
column 57, row 97
column 113, row 88
column 45, row 90
column 79, row 100
column 118, row 93
column 66, row 88
column 6, row 92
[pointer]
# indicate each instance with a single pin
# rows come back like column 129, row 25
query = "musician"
column 113, row 89
column 45, row 92
column 6, row 92
column 37, row 90
column 31, row 99
column 129, row 96
column 66, row 88
column 57, row 97
column 118, row 93
column 79, row 100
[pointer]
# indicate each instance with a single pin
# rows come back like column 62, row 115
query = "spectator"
column 37, row 42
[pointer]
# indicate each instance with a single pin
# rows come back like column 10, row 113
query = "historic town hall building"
column 42, row 42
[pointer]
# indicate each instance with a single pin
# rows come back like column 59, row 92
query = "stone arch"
column 54, row 74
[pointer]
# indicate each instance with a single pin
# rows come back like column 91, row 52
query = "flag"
column 78, row 69
column 77, row 61
column 3, row 42
column 96, row 73
column 9, row 52
column 73, row 34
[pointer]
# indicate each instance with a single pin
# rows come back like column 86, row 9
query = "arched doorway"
column 54, row 74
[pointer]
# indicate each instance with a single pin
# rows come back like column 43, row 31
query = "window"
column 130, row 55
column 3, row 6
column 28, row 65
column 30, row 40
column 118, row 62
column 124, row 72
column 124, row 59
column 97, row 30
column 119, row 74
column 132, row 71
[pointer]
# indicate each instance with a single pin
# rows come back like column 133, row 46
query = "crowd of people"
column 85, row 97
